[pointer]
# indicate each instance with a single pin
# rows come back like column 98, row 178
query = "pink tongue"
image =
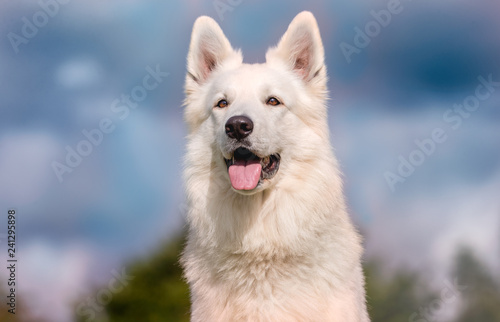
column 245, row 175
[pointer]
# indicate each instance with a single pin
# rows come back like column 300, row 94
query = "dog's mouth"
column 246, row 169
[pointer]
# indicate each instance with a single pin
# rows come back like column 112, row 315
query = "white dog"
column 269, row 235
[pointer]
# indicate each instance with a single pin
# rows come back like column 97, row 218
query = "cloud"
column 79, row 72
column 25, row 159
column 449, row 200
column 52, row 278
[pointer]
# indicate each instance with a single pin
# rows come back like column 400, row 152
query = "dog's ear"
column 208, row 49
column 301, row 48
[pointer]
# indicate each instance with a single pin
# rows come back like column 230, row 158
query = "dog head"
column 257, row 119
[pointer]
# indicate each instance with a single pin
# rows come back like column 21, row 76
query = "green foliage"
column 157, row 292
column 393, row 298
column 482, row 294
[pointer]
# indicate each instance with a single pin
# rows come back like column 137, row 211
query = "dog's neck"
column 266, row 222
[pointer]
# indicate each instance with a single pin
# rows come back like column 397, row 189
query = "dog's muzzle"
column 246, row 169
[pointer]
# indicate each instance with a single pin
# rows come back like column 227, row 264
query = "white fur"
column 287, row 250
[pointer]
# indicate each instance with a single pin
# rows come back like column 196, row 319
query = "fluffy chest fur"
column 314, row 285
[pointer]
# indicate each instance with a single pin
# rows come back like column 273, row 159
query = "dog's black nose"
column 239, row 127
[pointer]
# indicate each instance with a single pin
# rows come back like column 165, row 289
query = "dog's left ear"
column 301, row 48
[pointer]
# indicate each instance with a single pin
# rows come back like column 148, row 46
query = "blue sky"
column 125, row 197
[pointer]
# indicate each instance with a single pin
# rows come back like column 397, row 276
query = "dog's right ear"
column 209, row 51
column 209, row 48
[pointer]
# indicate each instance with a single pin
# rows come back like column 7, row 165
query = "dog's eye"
column 222, row 104
column 273, row 101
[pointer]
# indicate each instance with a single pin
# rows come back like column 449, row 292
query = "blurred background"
column 91, row 159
